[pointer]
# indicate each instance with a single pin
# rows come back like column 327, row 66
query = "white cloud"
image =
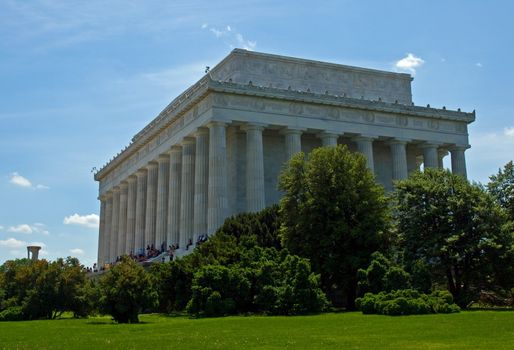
column 22, row 228
column 90, row 221
column 12, row 243
column 232, row 37
column 478, row 64
column 18, row 180
column 509, row 131
column 76, row 251
column 1, row 227
column 409, row 63
column 27, row 229
column 245, row 44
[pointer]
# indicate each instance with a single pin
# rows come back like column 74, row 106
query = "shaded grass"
column 466, row 330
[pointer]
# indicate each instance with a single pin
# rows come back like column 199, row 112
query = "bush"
column 407, row 302
column 218, row 291
column 382, row 275
column 13, row 313
column 125, row 290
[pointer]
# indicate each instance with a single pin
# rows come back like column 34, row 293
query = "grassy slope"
column 467, row 330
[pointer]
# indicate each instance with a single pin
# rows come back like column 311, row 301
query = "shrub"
column 382, row 275
column 13, row 313
column 407, row 302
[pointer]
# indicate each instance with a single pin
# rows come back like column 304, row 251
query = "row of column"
column 184, row 192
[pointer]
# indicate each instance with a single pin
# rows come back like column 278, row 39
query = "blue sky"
column 79, row 78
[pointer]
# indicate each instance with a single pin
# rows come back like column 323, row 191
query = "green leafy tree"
column 126, row 290
column 501, row 186
column 334, row 213
column 42, row 289
column 455, row 228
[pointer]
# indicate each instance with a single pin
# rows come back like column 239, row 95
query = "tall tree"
column 454, row 227
column 334, row 213
column 501, row 186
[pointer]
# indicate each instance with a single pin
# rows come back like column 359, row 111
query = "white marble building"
column 218, row 148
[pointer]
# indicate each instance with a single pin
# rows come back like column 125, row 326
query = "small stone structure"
column 34, row 250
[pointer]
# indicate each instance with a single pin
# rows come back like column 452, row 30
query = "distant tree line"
column 335, row 240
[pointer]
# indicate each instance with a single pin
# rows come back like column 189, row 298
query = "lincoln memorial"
column 217, row 149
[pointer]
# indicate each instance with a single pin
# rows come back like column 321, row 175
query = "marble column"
column 255, row 193
column 201, row 182
column 163, row 181
column 106, row 251
column 174, row 193
column 430, row 156
column 113, row 246
column 101, row 232
column 235, row 169
column 399, row 159
column 131, row 214
column 328, row 139
column 365, row 146
column 139, row 237
column 188, row 191
column 218, row 199
column 151, row 204
column 122, row 223
column 459, row 160
column 293, row 142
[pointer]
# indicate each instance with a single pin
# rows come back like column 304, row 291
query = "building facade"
column 218, row 148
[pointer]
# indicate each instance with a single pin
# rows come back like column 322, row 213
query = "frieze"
column 402, row 120
column 433, row 124
column 384, row 118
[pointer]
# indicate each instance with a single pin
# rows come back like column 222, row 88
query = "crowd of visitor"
column 151, row 252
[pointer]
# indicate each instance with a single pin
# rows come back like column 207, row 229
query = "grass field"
column 466, row 330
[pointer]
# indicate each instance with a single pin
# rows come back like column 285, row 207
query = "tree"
column 501, row 186
column 42, row 289
column 126, row 290
column 334, row 213
column 455, row 228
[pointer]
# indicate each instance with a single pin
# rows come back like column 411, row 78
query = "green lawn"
column 466, row 330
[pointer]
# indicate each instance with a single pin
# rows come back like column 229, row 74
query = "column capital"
column 151, row 165
column 202, row 130
column 458, row 147
column 131, row 178
column 141, row 172
column 428, row 144
column 253, row 126
column 213, row 123
column 187, row 141
column 292, row 131
column 176, row 149
column 163, row 157
column 115, row 189
column 364, row 137
column 323, row 134
column 105, row 196
column 399, row 141
column 123, row 185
